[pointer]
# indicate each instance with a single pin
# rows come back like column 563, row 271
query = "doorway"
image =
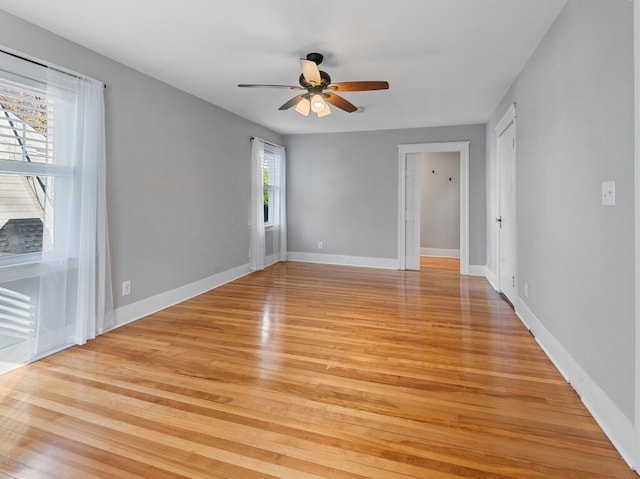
column 440, row 205
column 409, row 194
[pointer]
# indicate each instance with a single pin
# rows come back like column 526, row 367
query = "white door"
column 413, row 175
column 506, row 220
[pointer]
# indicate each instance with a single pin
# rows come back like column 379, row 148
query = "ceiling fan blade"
column 293, row 102
column 340, row 102
column 359, row 86
column 289, row 87
column 310, row 72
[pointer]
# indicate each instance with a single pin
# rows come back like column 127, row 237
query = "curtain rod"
column 35, row 62
column 267, row 142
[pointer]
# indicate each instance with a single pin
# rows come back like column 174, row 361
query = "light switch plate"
column 608, row 193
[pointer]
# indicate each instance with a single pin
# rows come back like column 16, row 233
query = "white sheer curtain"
column 256, row 219
column 75, row 297
column 280, row 207
column 278, row 226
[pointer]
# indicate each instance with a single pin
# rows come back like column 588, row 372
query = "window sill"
column 15, row 271
column 20, row 260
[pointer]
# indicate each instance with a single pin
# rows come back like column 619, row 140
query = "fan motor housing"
column 324, row 76
column 315, row 58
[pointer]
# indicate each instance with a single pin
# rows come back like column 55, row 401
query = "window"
column 55, row 284
column 25, row 189
column 269, row 184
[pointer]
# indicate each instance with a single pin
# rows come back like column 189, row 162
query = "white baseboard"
column 362, row 261
column 477, row 270
column 140, row 309
column 440, row 252
column 274, row 258
column 491, row 277
column 271, row 259
column 618, row 428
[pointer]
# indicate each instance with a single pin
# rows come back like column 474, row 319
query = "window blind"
column 24, row 124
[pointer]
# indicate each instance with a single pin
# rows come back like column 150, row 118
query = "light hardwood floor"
column 306, row 372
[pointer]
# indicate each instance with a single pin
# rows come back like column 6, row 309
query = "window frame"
column 269, row 159
column 32, row 79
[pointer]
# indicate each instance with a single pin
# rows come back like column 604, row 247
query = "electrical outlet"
column 126, row 288
column 608, row 193
column 320, row 245
column 526, row 289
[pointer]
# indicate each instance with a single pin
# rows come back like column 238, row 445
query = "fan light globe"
column 317, row 103
column 325, row 111
column 303, row 107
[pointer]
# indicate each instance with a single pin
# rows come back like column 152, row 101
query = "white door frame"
column 635, row 460
column 461, row 147
column 507, row 119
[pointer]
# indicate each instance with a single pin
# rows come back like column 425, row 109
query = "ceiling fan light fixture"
column 325, row 111
column 303, row 107
column 317, row 90
column 317, row 103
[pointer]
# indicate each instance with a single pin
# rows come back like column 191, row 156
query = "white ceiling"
column 448, row 62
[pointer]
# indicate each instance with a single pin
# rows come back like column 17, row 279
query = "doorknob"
column 499, row 221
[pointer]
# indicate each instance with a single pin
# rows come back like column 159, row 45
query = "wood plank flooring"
column 308, row 372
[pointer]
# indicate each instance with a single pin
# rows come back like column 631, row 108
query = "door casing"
column 404, row 150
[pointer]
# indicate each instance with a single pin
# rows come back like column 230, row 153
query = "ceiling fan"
column 320, row 90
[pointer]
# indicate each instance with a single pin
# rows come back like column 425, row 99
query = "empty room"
column 283, row 240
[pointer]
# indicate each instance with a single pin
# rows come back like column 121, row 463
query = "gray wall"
column 342, row 189
column 440, row 201
column 177, row 171
column 575, row 130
